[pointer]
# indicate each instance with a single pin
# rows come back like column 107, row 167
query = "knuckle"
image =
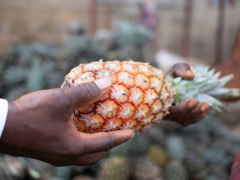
column 61, row 99
column 87, row 91
column 185, row 66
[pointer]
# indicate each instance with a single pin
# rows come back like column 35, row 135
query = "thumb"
column 184, row 73
column 87, row 93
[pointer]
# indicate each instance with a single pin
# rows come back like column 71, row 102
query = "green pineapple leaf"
column 205, row 87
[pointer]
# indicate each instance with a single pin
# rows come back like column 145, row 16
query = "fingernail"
column 103, row 83
column 133, row 134
column 190, row 72
column 130, row 133
column 191, row 104
column 204, row 108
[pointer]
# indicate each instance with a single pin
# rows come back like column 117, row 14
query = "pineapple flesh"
column 140, row 94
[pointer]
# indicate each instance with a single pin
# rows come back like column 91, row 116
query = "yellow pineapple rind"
column 140, row 95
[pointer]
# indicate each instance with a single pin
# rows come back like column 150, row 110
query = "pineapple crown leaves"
column 205, row 87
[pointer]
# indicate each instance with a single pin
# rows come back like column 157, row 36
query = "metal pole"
column 187, row 28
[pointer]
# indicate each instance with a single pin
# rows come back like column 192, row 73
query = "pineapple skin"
column 140, row 95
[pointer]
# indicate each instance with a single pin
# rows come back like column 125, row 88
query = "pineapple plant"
column 140, row 94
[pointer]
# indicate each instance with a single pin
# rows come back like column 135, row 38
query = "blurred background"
column 40, row 41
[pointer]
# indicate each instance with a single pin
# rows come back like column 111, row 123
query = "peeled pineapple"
column 140, row 95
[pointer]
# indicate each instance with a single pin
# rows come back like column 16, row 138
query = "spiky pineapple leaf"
column 205, row 87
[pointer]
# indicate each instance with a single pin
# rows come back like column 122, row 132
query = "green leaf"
column 218, row 92
column 224, row 80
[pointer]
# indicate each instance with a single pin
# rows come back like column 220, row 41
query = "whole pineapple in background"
column 145, row 169
column 38, row 169
column 195, row 165
column 82, row 177
column 114, row 168
column 158, row 155
column 11, row 168
column 175, row 170
column 139, row 96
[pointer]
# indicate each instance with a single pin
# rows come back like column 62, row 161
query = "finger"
column 200, row 117
column 196, row 118
column 87, row 93
column 205, row 107
column 89, row 159
column 201, row 107
column 104, row 141
column 181, row 70
column 62, row 160
column 182, row 108
column 184, row 74
column 185, row 106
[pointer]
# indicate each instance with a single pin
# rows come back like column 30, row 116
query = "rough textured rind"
column 139, row 96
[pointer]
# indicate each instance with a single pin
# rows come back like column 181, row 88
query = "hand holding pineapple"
column 39, row 126
column 188, row 111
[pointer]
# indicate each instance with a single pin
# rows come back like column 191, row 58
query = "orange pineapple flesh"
column 140, row 95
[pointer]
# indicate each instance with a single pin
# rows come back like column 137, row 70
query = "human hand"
column 181, row 70
column 189, row 111
column 39, row 126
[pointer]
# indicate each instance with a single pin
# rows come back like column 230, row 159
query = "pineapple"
column 11, row 168
column 175, row 170
column 114, row 168
column 140, row 94
column 145, row 169
column 158, row 155
column 82, row 177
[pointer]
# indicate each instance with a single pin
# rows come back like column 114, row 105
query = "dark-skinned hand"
column 39, row 126
column 189, row 111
